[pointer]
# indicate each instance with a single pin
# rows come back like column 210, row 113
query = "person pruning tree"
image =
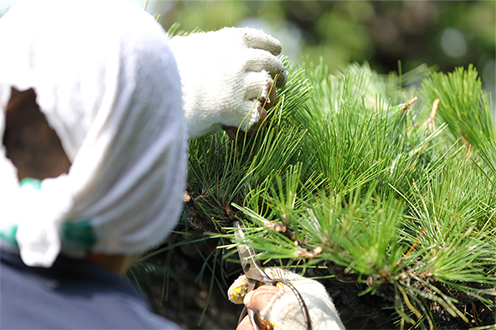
column 97, row 105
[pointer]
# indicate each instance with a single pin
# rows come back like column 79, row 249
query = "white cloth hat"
column 108, row 84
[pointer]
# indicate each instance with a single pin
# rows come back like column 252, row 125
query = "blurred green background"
column 444, row 34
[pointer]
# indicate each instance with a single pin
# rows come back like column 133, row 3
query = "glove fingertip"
column 238, row 290
column 258, row 39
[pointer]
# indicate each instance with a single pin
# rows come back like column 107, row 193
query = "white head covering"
column 107, row 83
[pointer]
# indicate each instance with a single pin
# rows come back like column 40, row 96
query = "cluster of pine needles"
column 385, row 182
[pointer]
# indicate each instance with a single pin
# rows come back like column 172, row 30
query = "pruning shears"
column 256, row 277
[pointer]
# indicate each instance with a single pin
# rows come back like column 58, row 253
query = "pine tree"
column 380, row 187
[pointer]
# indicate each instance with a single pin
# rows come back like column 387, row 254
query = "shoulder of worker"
column 71, row 294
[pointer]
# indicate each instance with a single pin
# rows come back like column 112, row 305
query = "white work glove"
column 283, row 311
column 225, row 77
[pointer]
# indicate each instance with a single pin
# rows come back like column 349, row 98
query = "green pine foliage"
column 353, row 182
column 463, row 106
column 352, row 177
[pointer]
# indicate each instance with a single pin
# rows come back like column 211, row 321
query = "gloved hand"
column 283, row 310
column 226, row 77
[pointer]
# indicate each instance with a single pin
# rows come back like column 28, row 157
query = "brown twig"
column 305, row 254
column 408, row 104
column 411, row 247
column 432, row 116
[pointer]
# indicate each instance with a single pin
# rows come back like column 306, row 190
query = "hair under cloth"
column 108, row 85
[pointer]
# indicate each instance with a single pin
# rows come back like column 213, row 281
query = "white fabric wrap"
column 224, row 75
column 108, row 84
column 284, row 311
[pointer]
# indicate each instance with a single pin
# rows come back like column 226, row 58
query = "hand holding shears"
column 256, row 277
